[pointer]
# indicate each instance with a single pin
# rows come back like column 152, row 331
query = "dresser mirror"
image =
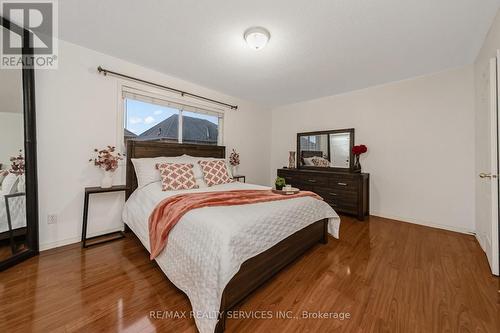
column 326, row 150
column 18, row 181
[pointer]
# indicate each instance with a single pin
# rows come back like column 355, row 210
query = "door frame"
column 495, row 235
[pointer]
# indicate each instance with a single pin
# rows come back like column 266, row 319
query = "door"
column 487, row 205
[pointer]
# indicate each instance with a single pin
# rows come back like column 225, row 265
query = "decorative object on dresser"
column 234, row 160
column 88, row 192
column 346, row 192
column 357, row 151
column 291, row 160
column 279, row 183
column 107, row 160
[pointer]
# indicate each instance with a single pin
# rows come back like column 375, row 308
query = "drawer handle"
column 311, row 180
column 342, row 184
column 334, row 194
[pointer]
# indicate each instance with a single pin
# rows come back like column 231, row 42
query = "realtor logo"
column 40, row 19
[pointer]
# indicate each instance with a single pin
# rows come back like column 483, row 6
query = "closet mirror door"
column 18, row 203
column 12, row 173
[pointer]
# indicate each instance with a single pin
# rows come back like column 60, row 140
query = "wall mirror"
column 18, row 179
column 326, row 150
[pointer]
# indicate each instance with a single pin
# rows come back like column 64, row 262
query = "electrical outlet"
column 51, row 219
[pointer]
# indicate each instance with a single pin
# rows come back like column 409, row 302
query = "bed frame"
column 255, row 271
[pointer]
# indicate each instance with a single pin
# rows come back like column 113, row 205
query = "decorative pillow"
column 320, row 162
column 215, row 172
column 176, row 176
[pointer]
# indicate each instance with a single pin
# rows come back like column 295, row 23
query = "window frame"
column 186, row 104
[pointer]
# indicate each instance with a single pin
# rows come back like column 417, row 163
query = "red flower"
column 358, row 150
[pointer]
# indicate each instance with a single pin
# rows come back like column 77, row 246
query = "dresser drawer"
column 337, row 194
column 344, row 184
column 315, row 181
column 343, row 207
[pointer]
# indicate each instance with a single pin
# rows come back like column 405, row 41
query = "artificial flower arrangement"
column 234, row 158
column 360, row 149
column 17, row 164
column 357, row 151
column 107, row 158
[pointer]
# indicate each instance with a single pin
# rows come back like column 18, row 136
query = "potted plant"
column 279, row 183
column 357, row 151
column 107, row 160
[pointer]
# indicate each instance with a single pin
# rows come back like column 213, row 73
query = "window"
column 151, row 118
column 199, row 128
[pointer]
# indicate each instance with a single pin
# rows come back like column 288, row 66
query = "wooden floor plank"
column 389, row 276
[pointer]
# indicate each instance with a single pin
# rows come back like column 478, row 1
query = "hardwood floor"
column 389, row 276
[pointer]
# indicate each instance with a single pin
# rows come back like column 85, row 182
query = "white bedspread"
column 208, row 245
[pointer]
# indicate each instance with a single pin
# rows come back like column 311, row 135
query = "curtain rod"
column 181, row 92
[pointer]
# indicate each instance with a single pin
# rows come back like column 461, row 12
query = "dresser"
column 346, row 192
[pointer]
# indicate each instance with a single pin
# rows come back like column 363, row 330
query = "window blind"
column 147, row 97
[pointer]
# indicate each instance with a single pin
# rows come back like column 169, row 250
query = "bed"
column 218, row 255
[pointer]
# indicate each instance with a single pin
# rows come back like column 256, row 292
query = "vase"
column 357, row 165
column 21, row 184
column 107, row 179
column 291, row 160
column 234, row 170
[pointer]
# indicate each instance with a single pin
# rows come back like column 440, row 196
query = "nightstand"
column 239, row 177
column 88, row 192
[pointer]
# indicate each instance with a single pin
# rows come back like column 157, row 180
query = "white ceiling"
column 317, row 48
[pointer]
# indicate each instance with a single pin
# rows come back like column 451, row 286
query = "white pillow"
column 308, row 161
column 145, row 168
column 9, row 184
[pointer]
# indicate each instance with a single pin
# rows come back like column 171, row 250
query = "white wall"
column 11, row 136
column 484, row 227
column 420, row 138
column 77, row 110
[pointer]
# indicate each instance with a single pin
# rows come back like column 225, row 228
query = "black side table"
column 88, row 192
column 239, row 177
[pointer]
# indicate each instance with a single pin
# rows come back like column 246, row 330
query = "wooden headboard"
column 144, row 149
column 311, row 153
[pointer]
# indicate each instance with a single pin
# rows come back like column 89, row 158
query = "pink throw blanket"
column 169, row 211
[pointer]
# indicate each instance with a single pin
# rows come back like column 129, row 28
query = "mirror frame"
column 30, row 157
column 351, row 144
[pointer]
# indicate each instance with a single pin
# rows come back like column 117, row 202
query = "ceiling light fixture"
column 257, row 37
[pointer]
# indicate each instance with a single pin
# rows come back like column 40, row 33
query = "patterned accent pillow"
column 320, row 161
column 176, row 176
column 215, row 172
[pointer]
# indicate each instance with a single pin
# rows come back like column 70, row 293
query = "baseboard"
column 425, row 223
column 72, row 240
column 481, row 241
